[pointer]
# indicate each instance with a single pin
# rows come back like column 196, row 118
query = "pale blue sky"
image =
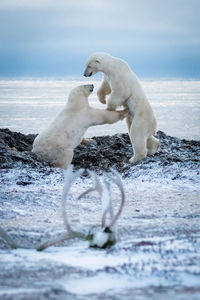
column 49, row 38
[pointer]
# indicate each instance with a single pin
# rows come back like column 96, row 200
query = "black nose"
column 91, row 88
column 84, row 75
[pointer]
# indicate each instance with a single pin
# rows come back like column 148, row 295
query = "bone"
column 118, row 182
column 96, row 185
column 70, row 177
column 106, row 203
column 103, row 238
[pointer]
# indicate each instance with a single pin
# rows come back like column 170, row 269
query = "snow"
column 158, row 234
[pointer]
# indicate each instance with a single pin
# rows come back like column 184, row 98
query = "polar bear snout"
column 87, row 72
column 90, row 87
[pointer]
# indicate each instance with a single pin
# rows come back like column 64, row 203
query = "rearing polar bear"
column 57, row 142
column 125, row 89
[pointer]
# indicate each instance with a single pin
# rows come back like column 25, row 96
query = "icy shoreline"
column 101, row 154
column 157, row 255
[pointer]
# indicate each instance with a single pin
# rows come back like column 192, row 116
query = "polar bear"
column 125, row 89
column 56, row 143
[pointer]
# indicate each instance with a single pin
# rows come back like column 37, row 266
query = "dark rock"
column 101, row 154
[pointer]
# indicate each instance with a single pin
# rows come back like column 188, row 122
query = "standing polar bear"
column 56, row 143
column 125, row 89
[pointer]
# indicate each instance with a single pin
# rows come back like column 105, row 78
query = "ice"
column 28, row 106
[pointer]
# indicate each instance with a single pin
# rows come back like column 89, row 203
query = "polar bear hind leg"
column 152, row 145
column 129, row 120
column 64, row 159
column 138, row 141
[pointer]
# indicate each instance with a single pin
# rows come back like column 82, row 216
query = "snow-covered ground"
column 157, row 255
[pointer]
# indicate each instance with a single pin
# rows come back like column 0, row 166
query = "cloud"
column 47, row 31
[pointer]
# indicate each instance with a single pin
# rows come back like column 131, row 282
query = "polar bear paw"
column 86, row 141
column 152, row 145
column 136, row 158
column 102, row 99
column 123, row 113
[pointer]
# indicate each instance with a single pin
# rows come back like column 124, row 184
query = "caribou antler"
column 102, row 238
column 106, row 203
column 96, row 185
column 118, row 182
column 70, row 177
column 106, row 236
column 104, row 192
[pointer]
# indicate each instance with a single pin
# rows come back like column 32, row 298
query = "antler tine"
column 118, row 182
column 96, row 185
column 106, row 202
column 70, row 177
column 110, row 208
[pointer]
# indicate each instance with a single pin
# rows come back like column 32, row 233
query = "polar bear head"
column 81, row 91
column 79, row 94
column 97, row 62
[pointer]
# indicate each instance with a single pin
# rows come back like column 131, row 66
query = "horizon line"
column 98, row 78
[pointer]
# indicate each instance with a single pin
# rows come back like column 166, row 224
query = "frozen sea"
column 28, row 106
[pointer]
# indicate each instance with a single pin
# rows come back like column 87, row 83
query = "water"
column 28, row 106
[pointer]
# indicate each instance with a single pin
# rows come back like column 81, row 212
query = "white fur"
column 124, row 88
column 56, row 143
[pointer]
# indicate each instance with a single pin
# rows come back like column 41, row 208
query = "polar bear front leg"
column 103, row 116
column 114, row 100
column 103, row 91
column 86, row 141
column 138, row 141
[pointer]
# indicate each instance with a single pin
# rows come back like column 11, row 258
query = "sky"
column 54, row 38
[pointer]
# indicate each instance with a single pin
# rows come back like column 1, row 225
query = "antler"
column 106, row 236
column 118, row 182
column 101, row 239
column 70, row 177
column 106, row 203
column 104, row 193
column 96, row 185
